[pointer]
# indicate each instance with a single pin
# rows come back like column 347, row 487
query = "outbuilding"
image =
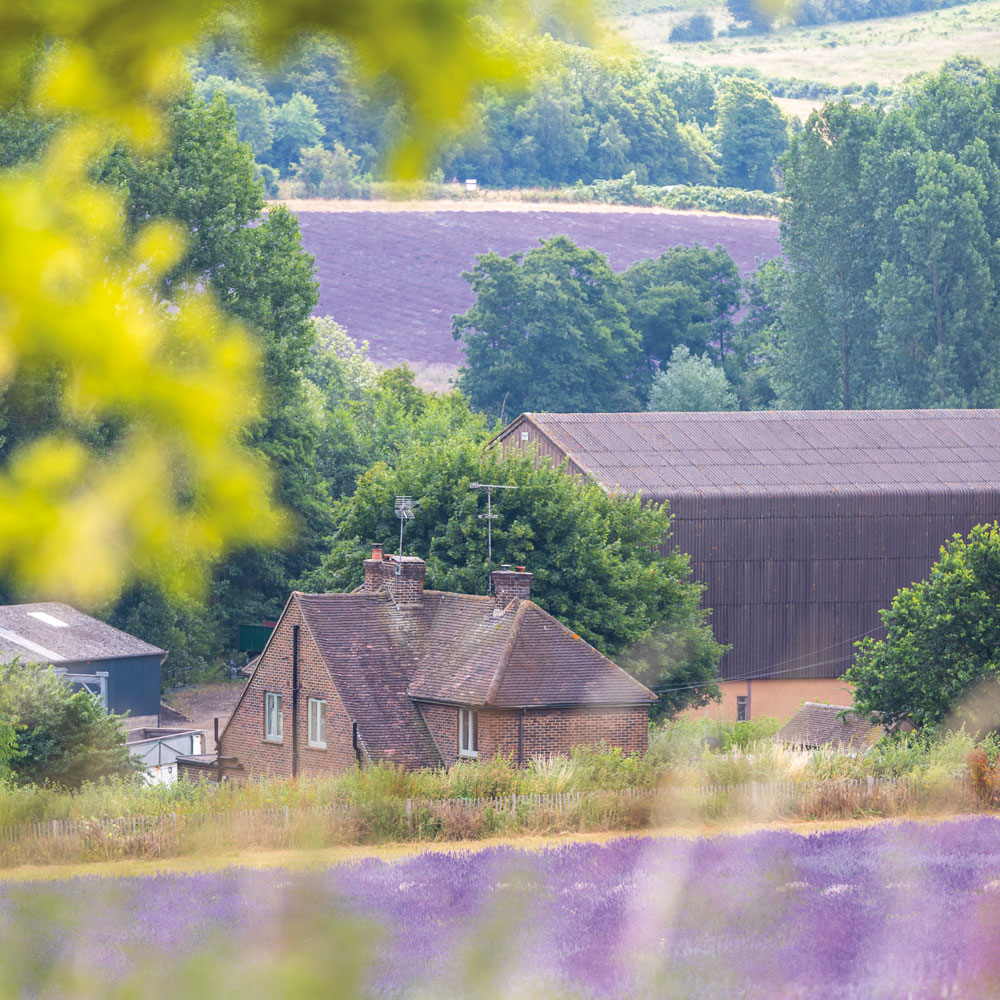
column 119, row 669
column 801, row 524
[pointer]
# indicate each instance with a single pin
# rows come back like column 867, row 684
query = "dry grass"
column 883, row 50
column 326, row 856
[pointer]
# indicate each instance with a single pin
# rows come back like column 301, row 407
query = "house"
column 802, row 525
column 421, row 678
column 815, row 725
column 118, row 668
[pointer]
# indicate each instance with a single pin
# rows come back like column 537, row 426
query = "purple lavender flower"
column 895, row 911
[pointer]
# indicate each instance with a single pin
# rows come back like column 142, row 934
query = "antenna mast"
column 405, row 512
column 489, row 517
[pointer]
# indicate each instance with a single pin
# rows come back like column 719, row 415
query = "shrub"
column 696, row 28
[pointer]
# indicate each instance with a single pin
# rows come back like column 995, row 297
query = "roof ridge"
column 507, row 649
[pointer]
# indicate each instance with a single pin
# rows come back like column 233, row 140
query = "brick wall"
column 442, row 721
column 549, row 731
column 243, row 737
column 558, row 730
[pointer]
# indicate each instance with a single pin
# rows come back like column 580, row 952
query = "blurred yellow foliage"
column 178, row 380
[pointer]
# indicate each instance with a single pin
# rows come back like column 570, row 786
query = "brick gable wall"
column 548, row 731
column 442, row 721
column 243, row 737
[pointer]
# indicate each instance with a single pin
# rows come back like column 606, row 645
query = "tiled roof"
column 805, row 451
column 54, row 633
column 452, row 648
column 816, row 725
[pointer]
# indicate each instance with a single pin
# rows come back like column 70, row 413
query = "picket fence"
column 751, row 797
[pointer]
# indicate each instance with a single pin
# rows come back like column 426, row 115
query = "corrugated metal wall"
column 791, row 579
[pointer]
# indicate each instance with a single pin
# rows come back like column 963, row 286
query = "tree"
column 548, row 331
column 752, row 132
column 687, row 296
column 759, row 15
column 691, row 383
column 325, row 173
column 595, row 557
column 826, row 355
column 61, row 737
column 253, row 108
column 260, row 274
column 942, row 638
column 935, row 296
column 296, row 127
column 177, row 488
column 695, row 28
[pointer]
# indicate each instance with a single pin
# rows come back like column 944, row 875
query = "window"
column 468, row 733
column 741, row 708
column 317, row 723
column 272, row 716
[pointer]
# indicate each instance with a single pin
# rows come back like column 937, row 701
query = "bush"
column 325, row 173
column 696, row 28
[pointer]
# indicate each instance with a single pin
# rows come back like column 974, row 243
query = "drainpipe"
column 354, row 740
column 520, row 738
column 749, row 716
column 295, row 701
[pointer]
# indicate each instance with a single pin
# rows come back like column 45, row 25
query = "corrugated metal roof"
column 795, row 451
column 56, row 633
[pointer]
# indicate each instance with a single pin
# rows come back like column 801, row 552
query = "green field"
column 883, row 51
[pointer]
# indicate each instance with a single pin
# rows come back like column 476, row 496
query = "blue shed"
column 123, row 671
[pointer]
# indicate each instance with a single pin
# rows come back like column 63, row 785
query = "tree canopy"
column 891, row 229
column 690, row 383
column 941, row 651
column 548, row 331
column 61, row 737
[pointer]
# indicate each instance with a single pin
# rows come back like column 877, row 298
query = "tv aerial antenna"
column 489, row 517
column 405, row 511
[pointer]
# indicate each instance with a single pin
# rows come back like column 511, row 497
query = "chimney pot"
column 376, row 550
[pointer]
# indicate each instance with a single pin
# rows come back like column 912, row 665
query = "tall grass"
column 681, row 753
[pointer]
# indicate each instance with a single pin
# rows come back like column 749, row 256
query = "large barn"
column 802, row 524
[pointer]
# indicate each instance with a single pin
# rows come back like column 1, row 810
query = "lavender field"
column 394, row 278
column 902, row 911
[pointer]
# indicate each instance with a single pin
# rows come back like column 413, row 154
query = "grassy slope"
column 883, row 51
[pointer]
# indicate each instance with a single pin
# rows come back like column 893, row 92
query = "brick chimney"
column 510, row 583
column 406, row 588
column 373, row 570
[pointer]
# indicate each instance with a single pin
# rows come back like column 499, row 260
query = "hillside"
column 883, row 50
column 394, row 277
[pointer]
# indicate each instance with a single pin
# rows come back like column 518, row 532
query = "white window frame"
column 274, row 707
column 742, row 704
column 468, row 733
column 317, row 723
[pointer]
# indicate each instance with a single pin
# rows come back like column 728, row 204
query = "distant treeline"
column 584, row 117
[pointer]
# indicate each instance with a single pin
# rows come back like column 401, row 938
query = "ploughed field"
column 394, row 278
column 894, row 911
